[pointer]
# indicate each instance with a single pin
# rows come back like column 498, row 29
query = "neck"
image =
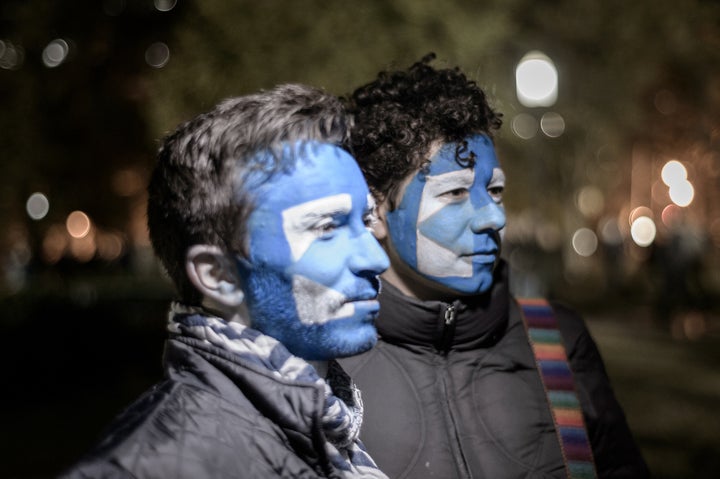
column 415, row 286
column 230, row 314
column 321, row 367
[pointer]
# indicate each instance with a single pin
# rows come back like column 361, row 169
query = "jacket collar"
column 461, row 324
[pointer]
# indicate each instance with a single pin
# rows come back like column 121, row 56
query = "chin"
column 339, row 338
column 352, row 341
column 466, row 286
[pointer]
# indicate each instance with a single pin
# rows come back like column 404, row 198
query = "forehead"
column 319, row 170
column 444, row 160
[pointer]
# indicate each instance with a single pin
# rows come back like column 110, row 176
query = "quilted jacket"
column 452, row 391
column 214, row 416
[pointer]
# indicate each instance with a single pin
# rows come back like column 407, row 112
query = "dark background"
column 88, row 88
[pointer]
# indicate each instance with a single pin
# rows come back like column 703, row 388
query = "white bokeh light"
column 524, row 126
column 157, row 55
column 536, row 80
column 673, row 172
column 682, row 193
column 37, row 206
column 585, row 242
column 552, row 124
column 165, row 5
column 643, row 231
column 55, row 53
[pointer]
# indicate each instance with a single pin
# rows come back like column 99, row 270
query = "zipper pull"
column 450, row 315
column 445, row 339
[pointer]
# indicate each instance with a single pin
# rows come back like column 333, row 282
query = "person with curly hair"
column 261, row 219
column 466, row 380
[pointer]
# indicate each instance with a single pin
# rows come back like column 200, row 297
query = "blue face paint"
column 311, row 278
column 447, row 225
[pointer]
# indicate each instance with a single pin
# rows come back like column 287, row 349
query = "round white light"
column 584, row 242
column 37, row 206
column 673, row 172
column 643, row 231
column 682, row 193
column 536, row 80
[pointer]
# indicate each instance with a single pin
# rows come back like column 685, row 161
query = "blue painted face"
column 311, row 278
column 447, row 225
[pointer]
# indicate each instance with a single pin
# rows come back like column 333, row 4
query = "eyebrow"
column 309, row 219
column 452, row 179
column 306, row 214
column 497, row 176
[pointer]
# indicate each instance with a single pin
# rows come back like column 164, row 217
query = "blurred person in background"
column 465, row 381
column 261, row 221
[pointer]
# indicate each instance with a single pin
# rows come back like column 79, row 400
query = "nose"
column 368, row 256
column 490, row 216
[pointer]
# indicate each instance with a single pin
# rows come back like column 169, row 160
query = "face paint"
column 311, row 279
column 447, row 225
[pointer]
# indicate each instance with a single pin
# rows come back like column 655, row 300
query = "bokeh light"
column 157, row 55
column 638, row 212
column 83, row 248
column 524, row 126
column 584, row 242
column 682, row 193
column 610, row 233
column 55, row 53
column 165, row 5
column 110, row 246
column 548, row 237
column 673, row 172
column 643, row 231
column 78, row 224
column 552, row 124
column 590, row 201
column 54, row 244
column 11, row 56
column 671, row 215
column 37, row 206
column 536, row 80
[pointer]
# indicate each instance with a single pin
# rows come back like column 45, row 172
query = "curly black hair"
column 401, row 114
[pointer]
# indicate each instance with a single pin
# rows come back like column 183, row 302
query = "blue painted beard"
column 446, row 228
column 271, row 300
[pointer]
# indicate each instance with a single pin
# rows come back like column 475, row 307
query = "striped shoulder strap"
column 557, row 378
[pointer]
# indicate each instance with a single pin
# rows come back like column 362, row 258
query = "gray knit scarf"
column 342, row 412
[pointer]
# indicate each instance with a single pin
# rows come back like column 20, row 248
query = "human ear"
column 214, row 275
column 379, row 228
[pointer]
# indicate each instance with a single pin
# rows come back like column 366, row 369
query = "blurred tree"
column 68, row 130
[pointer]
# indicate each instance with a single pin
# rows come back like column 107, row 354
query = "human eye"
column 496, row 187
column 496, row 192
column 325, row 227
column 456, row 194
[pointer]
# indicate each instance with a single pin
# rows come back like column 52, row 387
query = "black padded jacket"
column 452, row 391
column 214, row 416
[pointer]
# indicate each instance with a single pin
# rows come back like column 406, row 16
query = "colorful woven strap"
column 557, row 379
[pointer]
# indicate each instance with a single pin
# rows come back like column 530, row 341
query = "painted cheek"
column 322, row 262
column 402, row 223
column 268, row 245
column 448, row 227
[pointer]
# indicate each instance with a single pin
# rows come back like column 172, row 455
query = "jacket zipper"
column 448, row 330
column 447, row 338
